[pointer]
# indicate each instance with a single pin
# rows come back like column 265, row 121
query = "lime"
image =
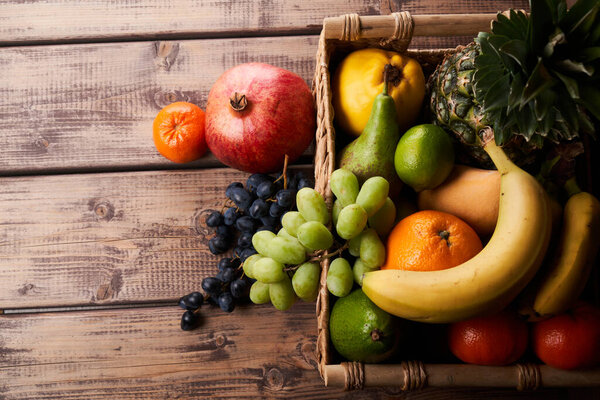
column 424, row 157
column 361, row 331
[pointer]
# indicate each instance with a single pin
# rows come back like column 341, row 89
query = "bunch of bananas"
column 507, row 264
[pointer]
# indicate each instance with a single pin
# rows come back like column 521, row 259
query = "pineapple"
column 533, row 79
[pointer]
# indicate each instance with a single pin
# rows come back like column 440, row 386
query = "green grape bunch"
column 287, row 264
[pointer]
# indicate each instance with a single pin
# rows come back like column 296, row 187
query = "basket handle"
column 353, row 27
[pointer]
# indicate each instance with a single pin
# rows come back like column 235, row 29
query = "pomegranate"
column 256, row 114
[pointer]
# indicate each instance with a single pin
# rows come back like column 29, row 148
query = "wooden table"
column 100, row 235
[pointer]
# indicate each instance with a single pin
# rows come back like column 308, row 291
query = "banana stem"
column 572, row 187
column 501, row 161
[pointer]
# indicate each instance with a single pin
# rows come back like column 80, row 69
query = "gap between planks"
column 61, row 309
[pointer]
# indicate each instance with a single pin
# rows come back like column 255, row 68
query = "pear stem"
column 386, row 78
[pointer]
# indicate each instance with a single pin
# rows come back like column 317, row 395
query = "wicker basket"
column 339, row 36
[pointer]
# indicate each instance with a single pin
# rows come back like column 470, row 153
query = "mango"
column 471, row 194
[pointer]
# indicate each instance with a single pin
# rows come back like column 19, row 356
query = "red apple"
column 256, row 114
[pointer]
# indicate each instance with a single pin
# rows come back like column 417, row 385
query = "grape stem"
column 319, row 256
column 284, row 172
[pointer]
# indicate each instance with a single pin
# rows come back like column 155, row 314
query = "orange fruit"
column 430, row 241
column 498, row 339
column 570, row 340
column 178, row 132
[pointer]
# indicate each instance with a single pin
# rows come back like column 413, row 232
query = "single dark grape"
column 285, row 198
column 241, row 197
column 214, row 219
column 218, row 245
column 269, row 221
column 230, row 216
column 276, row 211
column 231, row 186
column 239, row 288
column 258, row 209
column 305, row 182
column 212, row 286
column 292, row 179
column 226, row 275
column 225, row 231
column 247, row 252
column 245, row 224
column 189, row 320
column 225, row 263
column 265, row 190
column 194, row 300
column 183, row 302
column 255, row 180
column 245, row 239
column 226, row 302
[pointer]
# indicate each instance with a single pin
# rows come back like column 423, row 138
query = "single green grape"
column 259, row 293
column 267, row 270
column 260, row 241
column 306, row 281
column 344, row 186
column 248, row 265
column 354, row 245
column 282, row 294
column 372, row 249
column 339, row 277
column 372, row 194
column 315, row 236
column 359, row 269
column 335, row 212
column 291, row 221
column 311, row 205
column 286, row 250
column 384, row 219
column 284, row 233
column 351, row 221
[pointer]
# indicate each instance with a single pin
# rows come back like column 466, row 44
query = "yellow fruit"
column 471, row 194
column 359, row 79
column 489, row 281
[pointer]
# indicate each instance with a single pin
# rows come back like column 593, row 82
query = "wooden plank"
column 91, row 107
column 255, row 352
column 68, row 21
column 110, row 238
column 101, row 99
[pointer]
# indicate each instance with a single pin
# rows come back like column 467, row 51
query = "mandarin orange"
column 497, row 339
column 178, row 132
column 429, row 241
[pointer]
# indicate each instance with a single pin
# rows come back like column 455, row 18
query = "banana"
column 561, row 283
column 487, row 282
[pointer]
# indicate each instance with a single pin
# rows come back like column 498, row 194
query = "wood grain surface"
column 90, row 107
column 82, row 239
column 67, row 21
column 255, row 352
column 99, row 235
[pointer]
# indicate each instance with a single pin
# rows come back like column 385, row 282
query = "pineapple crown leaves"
column 536, row 74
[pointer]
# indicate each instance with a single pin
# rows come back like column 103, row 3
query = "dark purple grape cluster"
column 258, row 205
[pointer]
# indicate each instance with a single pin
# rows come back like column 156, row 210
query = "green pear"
column 372, row 153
